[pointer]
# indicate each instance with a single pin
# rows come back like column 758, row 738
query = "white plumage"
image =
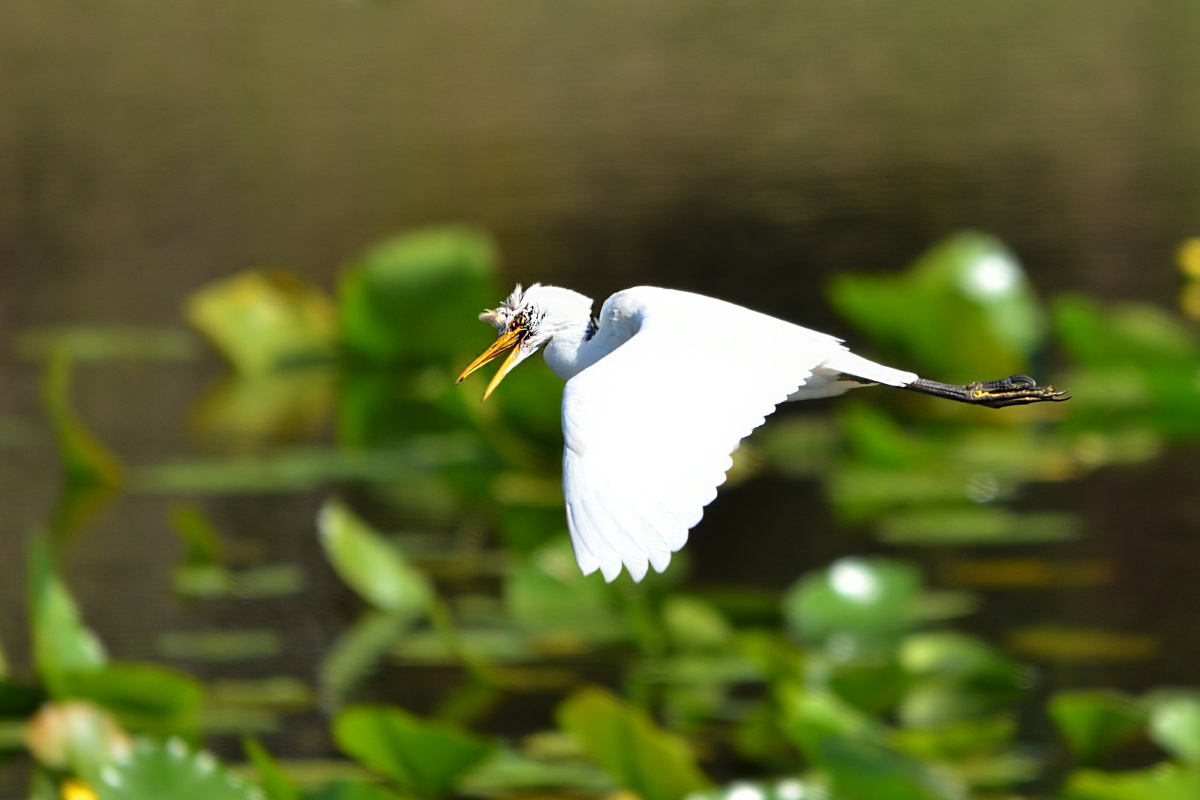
column 660, row 390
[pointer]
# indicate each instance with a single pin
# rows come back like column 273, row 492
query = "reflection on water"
column 146, row 152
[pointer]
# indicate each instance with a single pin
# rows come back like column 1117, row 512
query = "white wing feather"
column 649, row 428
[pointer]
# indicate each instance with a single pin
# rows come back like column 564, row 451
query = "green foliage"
column 964, row 309
column 1175, row 726
column 357, row 651
column 787, row 789
column 352, row 790
column 406, row 299
column 144, row 697
column 370, row 565
column 847, row 684
column 636, row 753
column 156, row 770
column 62, row 643
column 262, row 321
column 421, row 757
column 872, row 599
column 91, row 473
column 1134, row 365
column 275, row 784
column 1095, row 723
column 1162, row 782
column 955, row 678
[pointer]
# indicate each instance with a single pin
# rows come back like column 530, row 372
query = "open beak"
column 508, row 339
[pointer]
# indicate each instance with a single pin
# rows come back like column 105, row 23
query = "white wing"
column 649, row 428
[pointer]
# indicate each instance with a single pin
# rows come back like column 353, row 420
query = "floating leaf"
column 145, row 697
column 868, row 597
column 548, row 593
column 157, row 770
column 978, row 314
column 76, row 736
column 414, row 297
column 108, row 343
column 296, row 470
column 261, row 321
column 275, row 784
column 272, row 580
column 356, row 653
column 1095, row 723
column 352, row 790
column 370, row 565
column 972, row 525
column 1175, row 726
column 423, row 757
column 693, row 624
column 61, row 641
column 954, row 678
column 638, row 754
column 91, row 473
column 787, row 789
column 1083, row 645
column 1137, row 365
column 812, row 715
column 513, row 774
column 1162, row 782
column 241, row 413
column 202, row 541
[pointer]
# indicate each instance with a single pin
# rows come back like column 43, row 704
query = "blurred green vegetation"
column 853, row 684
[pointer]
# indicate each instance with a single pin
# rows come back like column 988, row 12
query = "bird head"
column 526, row 320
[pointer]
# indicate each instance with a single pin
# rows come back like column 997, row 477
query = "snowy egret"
column 660, row 390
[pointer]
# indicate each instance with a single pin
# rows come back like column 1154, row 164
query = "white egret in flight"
column 660, row 390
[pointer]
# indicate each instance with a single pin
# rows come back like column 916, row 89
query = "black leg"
column 1015, row 391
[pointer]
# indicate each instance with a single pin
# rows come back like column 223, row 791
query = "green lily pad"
column 1136, row 366
column 624, row 741
column 1095, row 723
column 75, row 736
column 369, row 564
column 974, row 525
column 870, row 597
column 965, row 310
column 357, row 651
column 416, row 297
column 866, row 770
column 1162, row 782
column 346, row 789
column 157, row 770
column 263, row 320
column 145, row 697
column 91, row 473
column 548, row 593
column 1175, row 726
column 61, row 641
column 201, row 540
column 276, row 785
column 422, row 757
column 108, row 343
column 786, row 789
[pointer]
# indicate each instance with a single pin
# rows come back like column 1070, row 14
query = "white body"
column 658, row 399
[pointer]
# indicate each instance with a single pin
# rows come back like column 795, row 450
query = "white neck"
column 571, row 352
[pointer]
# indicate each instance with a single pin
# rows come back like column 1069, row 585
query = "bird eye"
column 519, row 321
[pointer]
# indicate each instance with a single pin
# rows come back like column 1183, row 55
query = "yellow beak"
column 504, row 342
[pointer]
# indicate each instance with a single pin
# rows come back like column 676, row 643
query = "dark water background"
column 748, row 151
